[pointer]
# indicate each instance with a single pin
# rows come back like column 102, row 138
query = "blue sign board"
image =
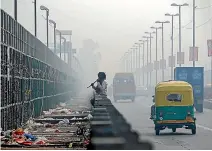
column 194, row 76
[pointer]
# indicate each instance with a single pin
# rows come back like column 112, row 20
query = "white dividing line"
column 203, row 127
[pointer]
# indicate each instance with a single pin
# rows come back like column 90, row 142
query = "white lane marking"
column 203, row 127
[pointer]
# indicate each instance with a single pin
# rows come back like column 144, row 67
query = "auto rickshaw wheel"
column 173, row 130
column 193, row 131
column 157, row 132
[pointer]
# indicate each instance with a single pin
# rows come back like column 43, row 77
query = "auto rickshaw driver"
column 152, row 108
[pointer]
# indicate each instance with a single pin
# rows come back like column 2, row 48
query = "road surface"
column 138, row 113
column 208, row 104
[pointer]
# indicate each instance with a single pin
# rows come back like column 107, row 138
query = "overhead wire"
column 198, row 26
column 184, row 25
column 202, row 23
column 204, row 7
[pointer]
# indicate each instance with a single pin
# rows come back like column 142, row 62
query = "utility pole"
column 147, row 62
column 127, row 62
column 55, row 25
column 162, row 22
column 47, row 27
column 60, row 44
column 180, row 50
column 180, row 28
column 194, row 29
column 172, row 54
column 15, row 9
column 134, row 60
column 64, row 47
column 47, row 23
column 211, row 39
column 139, row 62
column 35, row 15
column 143, row 64
column 131, row 60
column 150, row 76
column 156, row 52
column 162, row 54
column 172, row 44
column 136, row 64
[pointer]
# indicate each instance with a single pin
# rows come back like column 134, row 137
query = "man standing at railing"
column 101, row 88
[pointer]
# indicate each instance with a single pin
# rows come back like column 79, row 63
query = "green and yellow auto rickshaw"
column 174, row 106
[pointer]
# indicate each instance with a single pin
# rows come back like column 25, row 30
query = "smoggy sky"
column 115, row 24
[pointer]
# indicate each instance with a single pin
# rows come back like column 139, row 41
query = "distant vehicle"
column 124, row 87
column 141, row 91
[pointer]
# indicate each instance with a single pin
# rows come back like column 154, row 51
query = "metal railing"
column 33, row 78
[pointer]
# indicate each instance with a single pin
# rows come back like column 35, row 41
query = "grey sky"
column 115, row 24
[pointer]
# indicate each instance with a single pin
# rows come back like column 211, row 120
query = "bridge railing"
column 32, row 77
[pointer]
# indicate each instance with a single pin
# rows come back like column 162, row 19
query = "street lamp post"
column 139, row 62
column 135, row 62
column 60, row 41
column 122, row 64
column 150, row 54
column 131, row 60
column 147, row 61
column 194, row 29
column 15, row 9
column 172, row 41
column 128, row 58
column 126, row 61
column 64, row 45
column 156, row 55
column 55, row 25
column 180, row 36
column 143, row 64
column 47, row 23
column 162, row 22
column 134, row 59
column 35, row 14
